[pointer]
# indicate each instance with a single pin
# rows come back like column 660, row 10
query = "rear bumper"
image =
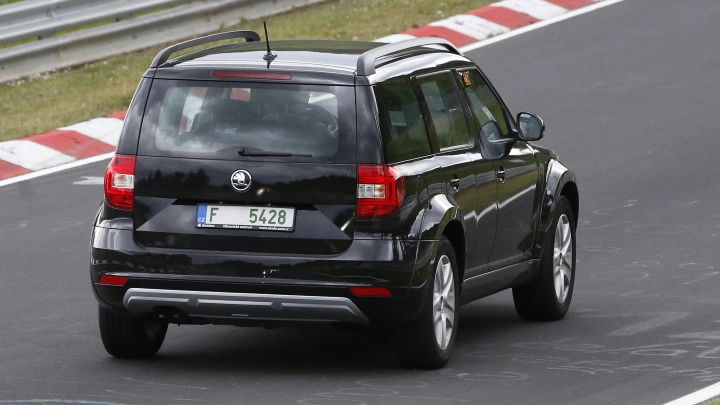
column 275, row 307
column 231, row 288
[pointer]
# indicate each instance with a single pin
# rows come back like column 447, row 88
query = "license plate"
column 245, row 217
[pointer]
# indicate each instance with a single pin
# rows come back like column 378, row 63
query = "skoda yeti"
column 380, row 185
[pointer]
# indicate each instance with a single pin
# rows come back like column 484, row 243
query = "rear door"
column 247, row 167
column 406, row 146
column 449, row 129
column 515, row 169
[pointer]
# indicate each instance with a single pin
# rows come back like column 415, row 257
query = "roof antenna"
column 269, row 56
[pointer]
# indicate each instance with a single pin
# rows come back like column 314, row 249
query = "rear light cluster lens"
column 120, row 183
column 381, row 191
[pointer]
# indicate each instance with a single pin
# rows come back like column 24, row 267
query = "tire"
column 128, row 336
column 544, row 299
column 419, row 345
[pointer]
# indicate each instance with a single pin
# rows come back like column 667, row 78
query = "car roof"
column 309, row 61
column 319, row 54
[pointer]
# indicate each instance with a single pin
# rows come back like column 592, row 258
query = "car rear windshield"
column 225, row 120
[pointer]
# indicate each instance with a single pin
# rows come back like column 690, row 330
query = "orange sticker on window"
column 466, row 79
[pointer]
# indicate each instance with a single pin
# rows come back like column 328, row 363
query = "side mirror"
column 532, row 128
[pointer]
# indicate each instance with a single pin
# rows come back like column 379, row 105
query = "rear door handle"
column 501, row 174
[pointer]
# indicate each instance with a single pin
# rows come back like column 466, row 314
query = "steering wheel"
column 322, row 116
column 302, row 121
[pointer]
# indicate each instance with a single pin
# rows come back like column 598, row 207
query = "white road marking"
column 698, row 397
column 702, row 277
column 540, row 9
column 56, row 169
column 90, row 181
column 67, row 225
column 56, row 401
column 31, row 155
column 167, row 385
column 699, row 335
column 103, row 129
column 394, row 38
column 656, row 320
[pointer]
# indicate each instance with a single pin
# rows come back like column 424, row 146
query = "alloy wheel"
column 563, row 258
column 444, row 302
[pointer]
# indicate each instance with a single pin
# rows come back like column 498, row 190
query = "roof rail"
column 164, row 55
column 366, row 62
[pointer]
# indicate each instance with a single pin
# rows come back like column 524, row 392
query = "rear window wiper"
column 244, row 152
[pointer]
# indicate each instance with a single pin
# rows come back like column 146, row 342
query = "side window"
column 403, row 131
column 486, row 106
column 446, row 113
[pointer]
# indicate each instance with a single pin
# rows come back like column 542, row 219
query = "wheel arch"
column 570, row 192
column 559, row 182
column 456, row 235
column 444, row 218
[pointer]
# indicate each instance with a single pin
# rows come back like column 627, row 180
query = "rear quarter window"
column 213, row 120
column 401, row 124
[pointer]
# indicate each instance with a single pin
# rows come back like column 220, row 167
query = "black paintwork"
column 498, row 227
column 128, row 142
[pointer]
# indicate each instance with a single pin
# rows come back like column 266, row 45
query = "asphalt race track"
column 630, row 97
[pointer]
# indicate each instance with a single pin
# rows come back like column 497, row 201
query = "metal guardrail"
column 68, row 18
column 30, row 10
column 43, row 19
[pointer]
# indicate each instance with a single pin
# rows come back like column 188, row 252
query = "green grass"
column 715, row 401
column 6, row 2
column 68, row 97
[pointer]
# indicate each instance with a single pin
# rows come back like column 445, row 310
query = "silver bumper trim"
column 210, row 304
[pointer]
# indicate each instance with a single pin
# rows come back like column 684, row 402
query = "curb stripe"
column 539, row 9
column 103, row 129
column 542, row 24
column 504, row 16
column 472, row 26
column 571, row 4
column 31, row 155
column 455, row 37
column 8, row 170
column 72, row 143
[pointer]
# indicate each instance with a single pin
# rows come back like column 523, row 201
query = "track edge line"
column 60, row 168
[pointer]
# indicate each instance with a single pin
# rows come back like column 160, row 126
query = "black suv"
column 339, row 182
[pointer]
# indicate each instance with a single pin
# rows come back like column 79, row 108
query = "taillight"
column 381, row 190
column 120, row 182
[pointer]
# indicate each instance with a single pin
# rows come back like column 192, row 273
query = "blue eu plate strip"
column 201, row 214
